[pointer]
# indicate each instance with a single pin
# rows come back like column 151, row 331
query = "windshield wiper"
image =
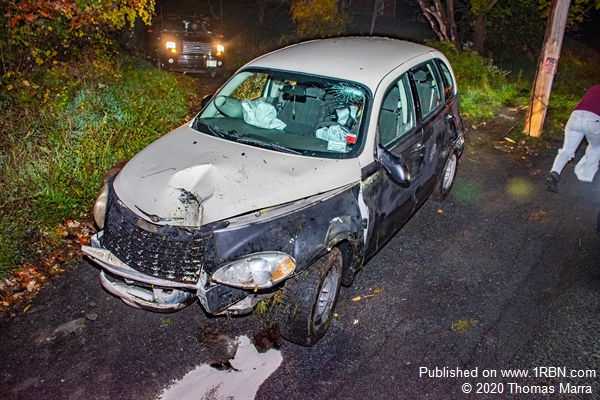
column 267, row 145
column 210, row 129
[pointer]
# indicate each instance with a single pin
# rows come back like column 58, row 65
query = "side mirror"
column 394, row 166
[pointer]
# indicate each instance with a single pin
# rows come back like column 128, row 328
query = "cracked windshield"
column 287, row 112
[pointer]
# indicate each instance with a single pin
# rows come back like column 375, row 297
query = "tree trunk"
column 262, row 9
column 479, row 34
column 374, row 16
column 479, row 26
column 452, row 24
column 441, row 19
column 434, row 16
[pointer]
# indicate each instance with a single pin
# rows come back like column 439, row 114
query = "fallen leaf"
column 31, row 286
column 463, row 325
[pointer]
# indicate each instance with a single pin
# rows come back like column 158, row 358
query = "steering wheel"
column 229, row 106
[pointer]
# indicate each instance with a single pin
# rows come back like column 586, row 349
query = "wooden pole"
column 547, row 65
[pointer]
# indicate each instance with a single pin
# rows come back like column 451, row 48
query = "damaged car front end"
column 165, row 268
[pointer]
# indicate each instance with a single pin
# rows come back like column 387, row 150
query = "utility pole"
column 538, row 104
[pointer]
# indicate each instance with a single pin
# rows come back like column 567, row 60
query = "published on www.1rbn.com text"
column 537, row 380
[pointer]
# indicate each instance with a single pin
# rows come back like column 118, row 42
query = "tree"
column 378, row 10
column 33, row 33
column 519, row 26
column 480, row 9
column 264, row 5
column 577, row 11
column 440, row 14
column 319, row 18
column 518, row 31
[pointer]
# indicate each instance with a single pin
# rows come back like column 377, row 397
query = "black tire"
column 308, row 300
column 444, row 185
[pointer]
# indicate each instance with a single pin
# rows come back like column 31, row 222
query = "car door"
column 391, row 204
column 433, row 112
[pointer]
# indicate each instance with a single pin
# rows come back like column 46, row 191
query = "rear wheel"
column 442, row 189
column 308, row 300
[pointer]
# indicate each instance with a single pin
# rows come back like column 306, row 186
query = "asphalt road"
column 502, row 275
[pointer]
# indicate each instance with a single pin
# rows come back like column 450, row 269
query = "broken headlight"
column 100, row 207
column 257, row 271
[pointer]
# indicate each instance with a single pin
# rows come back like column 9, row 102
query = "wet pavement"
column 502, row 275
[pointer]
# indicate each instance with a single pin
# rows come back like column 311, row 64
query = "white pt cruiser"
column 293, row 175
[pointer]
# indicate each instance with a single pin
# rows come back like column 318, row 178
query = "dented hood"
column 188, row 178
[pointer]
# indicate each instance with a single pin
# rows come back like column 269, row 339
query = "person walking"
column 583, row 122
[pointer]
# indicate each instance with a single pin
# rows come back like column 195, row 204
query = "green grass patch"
column 63, row 133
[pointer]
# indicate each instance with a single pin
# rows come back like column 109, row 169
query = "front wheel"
column 308, row 300
column 442, row 189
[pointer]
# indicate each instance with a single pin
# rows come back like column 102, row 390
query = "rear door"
column 433, row 113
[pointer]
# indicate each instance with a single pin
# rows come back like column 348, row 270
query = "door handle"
column 418, row 147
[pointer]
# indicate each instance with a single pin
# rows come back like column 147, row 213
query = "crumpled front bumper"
column 136, row 289
column 143, row 291
column 153, row 299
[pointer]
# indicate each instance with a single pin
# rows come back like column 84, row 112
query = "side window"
column 448, row 81
column 397, row 115
column 429, row 87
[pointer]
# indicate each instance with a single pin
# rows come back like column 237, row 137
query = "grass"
column 60, row 138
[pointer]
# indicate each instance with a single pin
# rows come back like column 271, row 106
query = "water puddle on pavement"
column 240, row 379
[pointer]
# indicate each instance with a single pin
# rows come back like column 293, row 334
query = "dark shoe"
column 552, row 182
column 598, row 225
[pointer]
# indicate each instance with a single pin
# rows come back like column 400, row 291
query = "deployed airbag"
column 262, row 115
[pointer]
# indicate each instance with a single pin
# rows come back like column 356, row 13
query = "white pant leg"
column 573, row 136
column 587, row 167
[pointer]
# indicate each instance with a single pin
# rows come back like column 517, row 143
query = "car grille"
column 196, row 48
column 164, row 251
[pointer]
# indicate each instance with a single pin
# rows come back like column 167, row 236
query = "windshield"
column 183, row 24
column 289, row 112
